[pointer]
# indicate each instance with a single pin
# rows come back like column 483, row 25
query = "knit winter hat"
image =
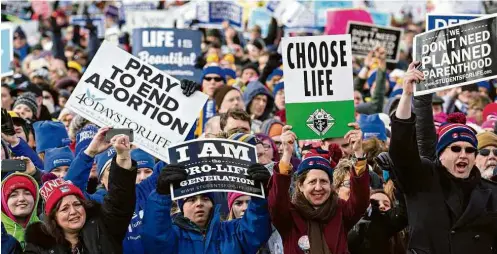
column 57, row 157
column 50, row 134
column 277, row 87
column 181, row 202
column 484, row 84
column 372, row 126
column 486, row 138
column 275, row 130
column 103, row 159
column 312, row 161
column 276, row 72
column 250, row 66
column 219, row 94
column 143, row 159
column 247, row 138
column 28, row 99
column 232, row 196
column 54, row 190
column 489, row 111
column 372, row 78
column 84, row 137
column 229, row 72
column 112, row 11
column 213, row 70
column 17, row 181
column 455, row 130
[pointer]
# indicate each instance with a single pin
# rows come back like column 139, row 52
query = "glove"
column 7, row 124
column 384, row 161
column 374, row 210
column 171, row 174
column 189, row 87
column 259, row 173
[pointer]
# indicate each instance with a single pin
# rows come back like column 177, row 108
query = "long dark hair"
column 54, row 229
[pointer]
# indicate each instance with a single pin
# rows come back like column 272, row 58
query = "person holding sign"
column 450, row 208
column 198, row 228
column 315, row 220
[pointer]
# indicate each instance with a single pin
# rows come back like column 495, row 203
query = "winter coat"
column 438, row 223
column 425, row 126
column 79, row 173
column 245, row 235
column 292, row 226
column 378, row 97
column 13, row 228
column 9, row 244
column 105, row 225
column 253, row 89
column 23, row 149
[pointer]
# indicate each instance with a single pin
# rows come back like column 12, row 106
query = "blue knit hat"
column 181, row 202
column 244, row 137
column 372, row 126
column 277, row 87
column 315, row 162
column 453, row 131
column 143, row 159
column 84, row 137
column 213, row 70
column 57, row 157
column 372, row 79
column 103, row 159
column 276, row 72
column 229, row 72
column 50, row 134
column 485, row 84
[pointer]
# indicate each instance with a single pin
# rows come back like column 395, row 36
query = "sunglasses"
column 217, row 79
column 486, row 152
column 458, row 149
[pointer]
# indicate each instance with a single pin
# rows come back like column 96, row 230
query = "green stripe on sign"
column 310, row 120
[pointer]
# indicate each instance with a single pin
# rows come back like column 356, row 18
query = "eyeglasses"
column 345, row 184
column 266, row 146
column 486, row 152
column 458, row 149
column 217, row 79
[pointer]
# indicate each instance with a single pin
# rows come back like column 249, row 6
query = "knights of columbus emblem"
column 320, row 121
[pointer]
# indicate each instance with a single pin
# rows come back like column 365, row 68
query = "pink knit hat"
column 232, row 196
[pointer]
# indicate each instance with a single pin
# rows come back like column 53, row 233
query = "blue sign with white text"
column 220, row 11
column 435, row 21
column 7, row 51
column 172, row 51
column 98, row 22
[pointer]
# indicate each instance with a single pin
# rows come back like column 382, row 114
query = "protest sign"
column 260, row 17
column 337, row 19
column 149, row 19
column 318, row 85
column 365, row 37
column 97, row 21
column 380, row 18
column 172, row 51
column 457, row 55
column 293, row 14
column 7, row 50
column 119, row 90
column 215, row 165
column 212, row 14
column 320, row 8
column 435, row 21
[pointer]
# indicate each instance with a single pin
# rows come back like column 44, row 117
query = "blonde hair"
column 342, row 170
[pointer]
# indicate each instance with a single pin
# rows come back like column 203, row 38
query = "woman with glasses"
column 450, row 208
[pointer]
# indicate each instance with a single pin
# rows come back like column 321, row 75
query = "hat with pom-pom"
column 454, row 130
column 315, row 161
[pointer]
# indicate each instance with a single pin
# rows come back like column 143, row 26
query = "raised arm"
column 425, row 126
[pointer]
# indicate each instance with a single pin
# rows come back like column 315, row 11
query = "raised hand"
column 98, row 143
column 354, row 138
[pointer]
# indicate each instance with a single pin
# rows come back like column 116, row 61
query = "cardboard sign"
column 337, row 20
column 97, row 21
column 215, row 165
column 458, row 55
column 435, row 21
column 212, row 14
column 172, row 51
column 7, row 50
column 119, row 90
column 365, row 37
column 149, row 19
column 318, row 85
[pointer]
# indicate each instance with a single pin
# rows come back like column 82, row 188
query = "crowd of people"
column 415, row 174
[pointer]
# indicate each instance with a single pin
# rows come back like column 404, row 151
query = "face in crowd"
column 198, row 209
column 235, row 124
column 316, row 186
column 61, row 171
column 143, row 173
column 70, row 214
column 459, row 158
column 24, row 111
column 232, row 100
column 383, row 200
column 258, row 105
column 240, row 206
column 279, row 99
column 21, row 204
column 486, row 160
column 210, row 83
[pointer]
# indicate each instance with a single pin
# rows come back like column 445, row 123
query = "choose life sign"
column 457, row 55
column 318, row 85
column 119, row 90
column 215, row 165
column 170, row 50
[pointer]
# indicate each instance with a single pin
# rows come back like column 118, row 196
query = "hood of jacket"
column 12, row 227
column 212, row 228
column 253, row 89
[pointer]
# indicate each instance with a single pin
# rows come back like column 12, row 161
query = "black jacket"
column 425, row 126
column 106, row 224
column 439, row 223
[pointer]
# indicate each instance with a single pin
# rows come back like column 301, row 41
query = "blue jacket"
column 23, row 149
column 9, row 243
column 79, row 172
column 245, row 235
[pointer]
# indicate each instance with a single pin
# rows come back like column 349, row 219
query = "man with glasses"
column 450, row 208
column 486, row 160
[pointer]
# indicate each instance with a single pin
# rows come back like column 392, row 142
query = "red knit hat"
column 16, row 182
column 54, row 190
column 232, row 196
